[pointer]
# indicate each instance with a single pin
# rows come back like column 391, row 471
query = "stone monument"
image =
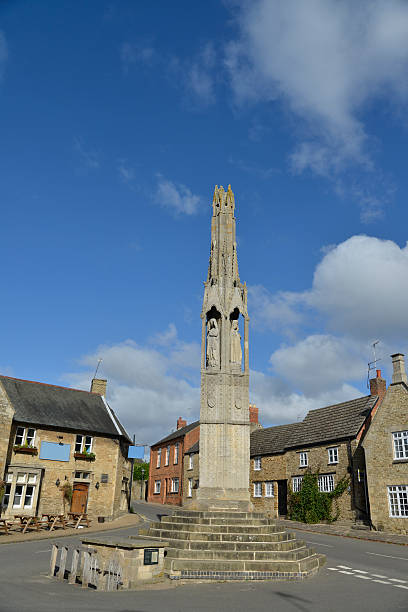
column 224, row 410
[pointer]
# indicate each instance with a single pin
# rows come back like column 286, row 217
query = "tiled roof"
column 271, row 440
column 335, row 422
column 193, row 449
column 61, row 407
column 178, row 433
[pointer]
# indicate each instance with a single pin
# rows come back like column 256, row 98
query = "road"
column 359, row 576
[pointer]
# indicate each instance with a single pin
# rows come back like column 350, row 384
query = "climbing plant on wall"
column 309, row 505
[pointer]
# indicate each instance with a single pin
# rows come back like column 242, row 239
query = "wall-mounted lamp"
column 97, row 485
column 57, row 482
column 60, row 440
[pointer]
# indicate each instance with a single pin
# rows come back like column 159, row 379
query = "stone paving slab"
column 129, row 520
column 346, row 531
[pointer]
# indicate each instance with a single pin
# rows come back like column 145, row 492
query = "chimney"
column 98, row 385
column 253, row 413
column 181, row 423
column 378, row 386
column 398, row 375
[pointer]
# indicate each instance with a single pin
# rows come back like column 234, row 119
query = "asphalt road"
column 359, row 576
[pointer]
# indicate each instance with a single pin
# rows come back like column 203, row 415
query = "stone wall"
column 192, row 473
column 6, row 420
column 382, row 469
column 273, row 468
column 106, row 499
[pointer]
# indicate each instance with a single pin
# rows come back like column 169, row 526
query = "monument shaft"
column 224, row 410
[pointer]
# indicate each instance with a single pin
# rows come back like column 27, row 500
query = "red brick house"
column 166, row 463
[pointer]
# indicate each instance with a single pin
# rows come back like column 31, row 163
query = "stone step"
column 236, row 546
column 194, row 527
column 179, row 520
column 218, row 514
column 303, row 565
column 231, row 555
column 220, row 537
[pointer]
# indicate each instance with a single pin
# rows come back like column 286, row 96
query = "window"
column 25, row 436
column 6, row 498
column 83, row 444
column 398, row 499
column 24, row 491
column 190, row 487
column 158, row 458
column 269, row 488
column 297, row 483
column 400, row 444
column 83, row 475
column 326, row 483
column 257, row 463
column 174, row 485
column 166, row 462
column 157, row 486
column 176, row 453
column 190, row 462
column 303, row 462
column 333, row 454
column 257, row 489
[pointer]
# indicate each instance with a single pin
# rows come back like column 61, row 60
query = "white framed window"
column 398, row 500
column 190, row 488
column 190, row 462
column 303, row 459
column 400, row 439
column 257, row 463
column 83, row 444
column 269, row 492
column 167, row 456
column 25, row 436
column 6, row 498
column 83, row 475
column 297, row 483
column 24, row 491
column 257, row 489
column 176, row 453
column 175, row 485
column 157, row 486
column 326, row 483
column 158, row 462
column 333, row 454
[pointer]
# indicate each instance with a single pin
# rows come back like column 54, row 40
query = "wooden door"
column 282, row 497
column 79, row 497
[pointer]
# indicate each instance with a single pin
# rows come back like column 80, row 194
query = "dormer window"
column 25, row 436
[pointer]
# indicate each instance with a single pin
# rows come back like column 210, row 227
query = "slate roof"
column 271, row 440
column 336, row 422
column 193, row 449
column 61, row 407
column 178, row 433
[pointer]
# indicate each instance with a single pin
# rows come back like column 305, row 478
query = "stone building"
column 56, row 438
column 191, row 479
column 386, row 453
column 327, row 441
column 166, row 484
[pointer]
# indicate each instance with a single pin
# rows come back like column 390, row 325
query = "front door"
column 79, row 497
column 282, row 497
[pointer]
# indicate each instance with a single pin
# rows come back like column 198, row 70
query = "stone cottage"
column 61, row 450
column 386, row 452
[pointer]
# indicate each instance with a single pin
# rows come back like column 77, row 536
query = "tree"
column 137, row 471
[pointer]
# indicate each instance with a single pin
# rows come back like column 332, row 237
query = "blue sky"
column 117, row 120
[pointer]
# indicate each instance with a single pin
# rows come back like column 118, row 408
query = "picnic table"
column 54, row 520
column 28, row 522
column 78, row 517
column 4, row 525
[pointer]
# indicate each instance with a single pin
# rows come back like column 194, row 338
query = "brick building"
column 327, row 441
column 191, row 473
column 166, row 484
column 54, row 437
column 386, row 452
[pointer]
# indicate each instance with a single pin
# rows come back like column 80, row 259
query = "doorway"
column 282, row 497
column 79, row 497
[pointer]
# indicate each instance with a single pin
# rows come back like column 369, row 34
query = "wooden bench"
column 76, row 518
column 5, row 525
column 54, row 520
column 28, row 522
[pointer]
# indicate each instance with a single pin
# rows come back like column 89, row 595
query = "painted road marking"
column 382, row 581
column 344, row 572
column 364, row 575
column 400, row 586
column 318, row 544
column 398, row 580
column 344, row 567
column 388, row 556
column 378, row 576
column 363, row 572
column 333, row 569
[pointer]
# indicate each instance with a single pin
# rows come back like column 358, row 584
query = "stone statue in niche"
column 213, row 343
column 236, row 351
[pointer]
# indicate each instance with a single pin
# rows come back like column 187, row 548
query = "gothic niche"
column 236, row 350
column 213, row 338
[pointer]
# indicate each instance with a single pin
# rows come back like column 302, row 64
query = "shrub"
column 309, row 505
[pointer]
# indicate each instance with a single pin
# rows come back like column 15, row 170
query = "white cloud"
column 148, row 389
column 200, row 79
column 89, row 158
column 126, row 172
column 135, row 53
column 3, row 53
column 177, row 197
column 276, row 312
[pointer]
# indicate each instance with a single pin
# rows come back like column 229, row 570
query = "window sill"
column 400, row 461
column 302, row 467
column 84, row 456
column 27, row 450
column 333, row 463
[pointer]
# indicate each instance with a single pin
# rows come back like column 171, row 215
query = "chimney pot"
column 98, row 385
column 253, row 413
column 398, row 375
column 378, row 373
column 181, row 423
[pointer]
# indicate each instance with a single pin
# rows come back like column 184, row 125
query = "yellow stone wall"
column 273, row 467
